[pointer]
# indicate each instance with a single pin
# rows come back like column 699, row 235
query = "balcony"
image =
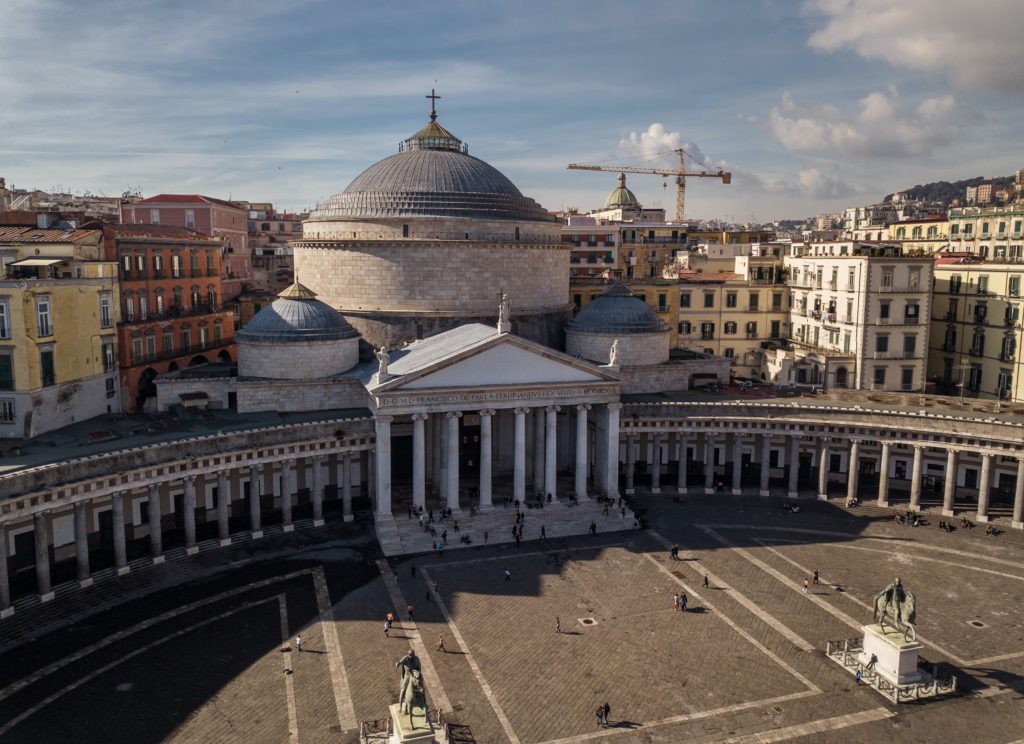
column 980, row 319
column 975, row 351
column 706, row 336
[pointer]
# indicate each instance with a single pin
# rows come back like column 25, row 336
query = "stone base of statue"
column 895, row 658
column 414, row 729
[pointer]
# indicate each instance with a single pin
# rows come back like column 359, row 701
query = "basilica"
column 427, row 356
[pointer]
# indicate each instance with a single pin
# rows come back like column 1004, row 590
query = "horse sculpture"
column 412, row 693
column 897, row 604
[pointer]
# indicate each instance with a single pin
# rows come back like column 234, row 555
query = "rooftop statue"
column 613, row 356
column 382, row 360
column 897, row 604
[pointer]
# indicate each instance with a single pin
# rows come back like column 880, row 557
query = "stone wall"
column 170, row 389
column 297, row 360
column 635, row 349
column 60, row 405
column 296, row 395
column 430, row 228
column 672, row 376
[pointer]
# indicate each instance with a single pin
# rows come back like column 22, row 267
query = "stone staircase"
column 403, row 536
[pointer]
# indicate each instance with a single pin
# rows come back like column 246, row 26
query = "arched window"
column 178, row 299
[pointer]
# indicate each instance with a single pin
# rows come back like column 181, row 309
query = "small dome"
column 621, row 197
column 296, row 316
column 616, row 311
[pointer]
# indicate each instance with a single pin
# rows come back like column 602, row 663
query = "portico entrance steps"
column 404, row 536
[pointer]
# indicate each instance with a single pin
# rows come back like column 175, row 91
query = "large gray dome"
column 432, row 176
column 617, row 311
column 296, row 317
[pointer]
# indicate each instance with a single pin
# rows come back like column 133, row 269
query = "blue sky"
column 813, row 105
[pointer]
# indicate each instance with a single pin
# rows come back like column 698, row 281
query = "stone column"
column 681, row 474
column 538, row 449
column 287, row 491
column 1018, row 497
column 737, row 465
column 188, row 505
column 582, row 451
column 5, row 581
column 766, row 458
column 883, row 476
column 519, row 461
column 853, row 471
column 612, row 454
column 983, row 487
column 117, row 525
column 346, row 487
column 823, row 471
column 436, row 450
column 255, row 514
column 383, row 450
column 42, row 542
column 452, row 495
column 486, row 456
column 949, row 485
column 84, row 575
column 223, row 508
column 316, row 491
column 156, row 534
column 630, row 462
column 419, row 460
column 915, row 480
column 551, row 454
column 794, row 466
column 709, row 463
column 656, row 440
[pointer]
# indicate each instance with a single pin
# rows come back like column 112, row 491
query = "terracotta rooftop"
column 129, row 230
column 186, row 199
column 25, row 234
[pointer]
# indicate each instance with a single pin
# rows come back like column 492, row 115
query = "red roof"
column 186, row 199
column 129, row 230
column 37, row 235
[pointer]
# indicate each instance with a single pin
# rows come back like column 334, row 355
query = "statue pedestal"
column 415, row 729
column 896, row 659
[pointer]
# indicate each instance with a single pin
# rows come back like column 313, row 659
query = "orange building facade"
column 172, row 312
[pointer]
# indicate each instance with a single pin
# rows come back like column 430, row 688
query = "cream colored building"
column 988, row 232
column 976, row 329
column 924, row 235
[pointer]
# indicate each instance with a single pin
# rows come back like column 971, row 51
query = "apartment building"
column 923, row 235
column 858, row 317
column 172, row 313
column 988, row 232
column 976, row 328
column 58, row 346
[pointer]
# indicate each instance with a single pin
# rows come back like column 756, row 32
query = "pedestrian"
column 409, row 609
column 815, row 577
column 558, row 625
column 444, row 537
column 857, row 677
column 455, row 525
column 508, row 575
column 682, row 602
column 298, row 643
column 412, row 570
column 806, row 582
column 675, row 601
column 543, row 533
column 600, row 715
column 607, row 709
column 440, row 645
column 593, row 529
column 706, row 582
column 486, row 535
column 387, row 627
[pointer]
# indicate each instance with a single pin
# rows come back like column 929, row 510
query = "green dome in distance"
column 621, row 197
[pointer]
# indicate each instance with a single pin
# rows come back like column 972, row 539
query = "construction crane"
column 680, row 175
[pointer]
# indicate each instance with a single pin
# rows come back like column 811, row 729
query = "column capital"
column 553, row 409
column 190, row 479
column 453, row 414
column 616, row 406
column 420, row 416
column 522, row 411
column 487, row 412
column 154, row 488
column 583, row 406
column 383, row 419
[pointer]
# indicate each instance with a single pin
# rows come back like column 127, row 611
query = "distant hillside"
column 946, row 191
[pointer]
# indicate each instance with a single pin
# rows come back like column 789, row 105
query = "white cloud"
column 973, row 44
column 820, row 185
column 882, row 127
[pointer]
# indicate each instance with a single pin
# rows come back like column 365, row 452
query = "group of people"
column 792, row 508
column 852, row 502
column 909, row 517
column 679, row 602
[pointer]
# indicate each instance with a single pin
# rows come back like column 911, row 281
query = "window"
column 907, row 379
column 1013, row 286
column 662, row 303
column 730, row 354
column 754, row 301
column 984, row 228
column 150, row 347
column 6, row 411
column 887, row 273
column 105, row 319
column 954, row 230
column 111, row 392
column 1009, row 348
column 186, row 339
column 685, row 328
column 974, row 378
column 211, row 298
column 954, row 284
column 193, row 260
column 707, row 331
column 709, row 299
column 909, row 346
column 154, row 216
column 1016, row 227
column 730, row 299
column 195, row 298
column 137, row 350
column 143, row 306
column 210, row 269
column 978, row 343
column 880, row 376
column 983, row 284
column 776, row 300
column 109, row 363
column 43, row 325
column 158, row 265
column 176, row 265
column 178, row 298
column 5, row 319
column 168, row 343
column 684, row 299
column 776, row 329
column 751, row 329
column 980, row 312
column 204, row 337
column 729, row 328
column 46, row 368
column 160, row 302
column 883, row 310
column 129, row 307
column 911, row 312
column 218, row 333
column 405, row 231
column 881, row 344
column 950, row 344
column 6, row 370
column 190, row 218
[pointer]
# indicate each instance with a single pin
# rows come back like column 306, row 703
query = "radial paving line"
column 107, row 667
column 852, row 598
column 122, row 634
column 335, row 662
column 813, row 727
column 481, row 680
column 429, row 673
column 683, row 718
column 728, row 621
column 517, row 554
column 289, row 685
column 743, row 600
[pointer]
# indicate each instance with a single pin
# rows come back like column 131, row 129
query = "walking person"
column 440, row 645
column 600, row 715
column 543, row 533
column 387, row 627
column 409, row 609
column 675, row 602
column 298, row 643
column 558, row 625
column 707, row 584
column 806, row 582
column 607, row 709
column 682, row 602
column 815, row 578
column 508, row 575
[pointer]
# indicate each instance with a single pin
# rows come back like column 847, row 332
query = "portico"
column 491, row 409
